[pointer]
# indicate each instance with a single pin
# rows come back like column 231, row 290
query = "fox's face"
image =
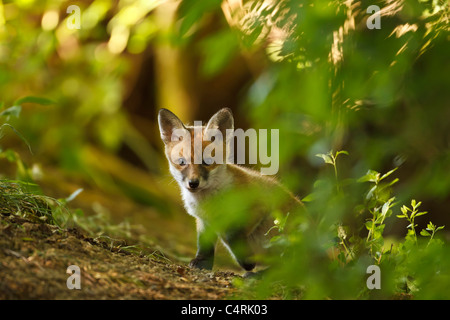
column 196, row 154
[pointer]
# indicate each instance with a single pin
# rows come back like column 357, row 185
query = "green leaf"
column 421, row 213
column 371, row 176
column 13, row 111
column 386, row 206
column 7, row 125
column 371, row 191
column 341, row 152
column 404, row 210
column 425, row 233
column 388, row 174
column 310, row 197
column 430, row 226
column 393, row 182
column 327, row 158
column 22, row 183
column 37, row 100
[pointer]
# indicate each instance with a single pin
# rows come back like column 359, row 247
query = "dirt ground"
column 34, row 257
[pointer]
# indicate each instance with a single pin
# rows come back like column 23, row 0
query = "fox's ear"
column 221, row 120
column 169, row 126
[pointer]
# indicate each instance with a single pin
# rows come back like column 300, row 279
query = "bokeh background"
column 312, row 69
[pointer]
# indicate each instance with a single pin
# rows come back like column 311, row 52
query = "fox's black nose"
column 193, row 184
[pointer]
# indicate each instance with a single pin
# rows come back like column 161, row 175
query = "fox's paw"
column 201, row 263
column 257, row 275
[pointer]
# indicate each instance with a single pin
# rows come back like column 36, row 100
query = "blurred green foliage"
column 330, row 82
column 79, row 77
column 322, row 77
column 80, row 69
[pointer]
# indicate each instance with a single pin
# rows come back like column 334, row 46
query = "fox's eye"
column 182, row 162
column 207, row 161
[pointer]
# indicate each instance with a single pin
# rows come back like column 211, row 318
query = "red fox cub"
column 206, row 179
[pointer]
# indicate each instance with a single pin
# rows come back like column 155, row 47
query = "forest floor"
column 34, row 257
column 124, row 251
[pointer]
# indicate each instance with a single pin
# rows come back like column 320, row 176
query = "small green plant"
column 411, row 214
column 379, row 203
column 431, row 228
column 331, row 158
column 375, row 227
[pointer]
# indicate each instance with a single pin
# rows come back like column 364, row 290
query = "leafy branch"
column 430, row 228
column 411, row 214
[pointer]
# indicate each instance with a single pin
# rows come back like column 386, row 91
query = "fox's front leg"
column 206, row 242
column 238, row 244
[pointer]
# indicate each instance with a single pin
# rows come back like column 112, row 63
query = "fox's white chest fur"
column 219, row 180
